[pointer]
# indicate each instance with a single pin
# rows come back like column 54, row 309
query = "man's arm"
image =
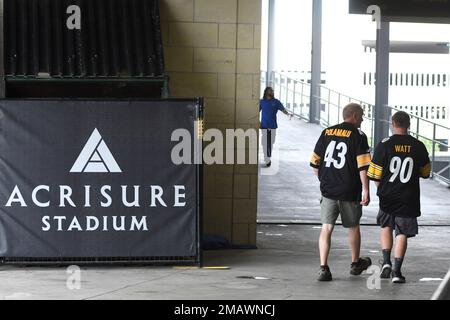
column 425, row 171
column 316, row 171
column 363, row 160
column 366, row 187
column 375, row 172
column 316, row 158
column 425, row 163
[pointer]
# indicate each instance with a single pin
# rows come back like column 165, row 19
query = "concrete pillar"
column 381, row 112
column 316, row 62
column 271, row 43
column 212, row 49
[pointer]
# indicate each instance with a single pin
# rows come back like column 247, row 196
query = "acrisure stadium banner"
column 95, row 179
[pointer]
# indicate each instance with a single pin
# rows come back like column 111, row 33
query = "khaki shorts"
column 350, row 211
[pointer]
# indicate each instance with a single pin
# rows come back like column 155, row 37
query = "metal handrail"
column 422, row 119
column 290, row 90
column 443, row 291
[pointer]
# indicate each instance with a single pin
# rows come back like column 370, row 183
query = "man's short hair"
column 401, row 120
column 351, row 109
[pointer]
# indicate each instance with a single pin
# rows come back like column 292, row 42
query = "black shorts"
column 403, row 226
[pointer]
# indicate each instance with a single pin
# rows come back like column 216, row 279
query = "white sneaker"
column 386, row 271
column 397, row 277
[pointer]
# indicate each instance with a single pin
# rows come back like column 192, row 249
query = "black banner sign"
column 85, row 179
column 406, row 10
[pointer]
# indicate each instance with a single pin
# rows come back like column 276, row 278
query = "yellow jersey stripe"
column 373, row 176
column 363, row 160
column 315, row 160
column 376, row 166
column 374, row 172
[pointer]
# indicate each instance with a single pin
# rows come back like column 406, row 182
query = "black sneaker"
column 397, row 277
column 358, row 267
column 268, row 164
column 325, row 274
column 386, row 271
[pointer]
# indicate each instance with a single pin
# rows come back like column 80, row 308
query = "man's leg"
column 386, row 222
column 351, row 212
column 325, row 243
column 354, row 239
column 404, row 229
column 324, row 251
column 386, row 244
column 386, row 238
column 401, row 244
column 329, row 214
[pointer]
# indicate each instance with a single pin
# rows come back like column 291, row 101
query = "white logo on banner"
column 95, row 156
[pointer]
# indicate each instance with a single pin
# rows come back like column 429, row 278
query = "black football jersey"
column 398, row 163
column 340, row 154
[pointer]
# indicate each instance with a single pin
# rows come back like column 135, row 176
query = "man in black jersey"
column 397, row 166
column 340, row 160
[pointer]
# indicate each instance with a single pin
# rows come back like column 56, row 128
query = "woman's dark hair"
column 266, row 92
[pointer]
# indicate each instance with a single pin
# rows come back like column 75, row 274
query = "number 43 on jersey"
column 329, row 159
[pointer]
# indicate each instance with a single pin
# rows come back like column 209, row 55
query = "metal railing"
column 332, row 104
column 295, row 95
column 443, row 291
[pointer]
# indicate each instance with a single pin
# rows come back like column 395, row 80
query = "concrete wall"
column 212, row 49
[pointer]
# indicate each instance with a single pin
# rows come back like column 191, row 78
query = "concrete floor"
column 286, row 258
